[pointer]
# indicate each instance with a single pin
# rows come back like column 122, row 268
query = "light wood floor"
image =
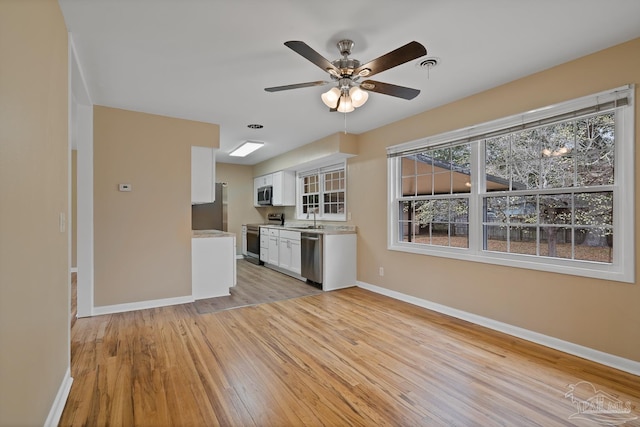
column 257, row 285
column 348, row 357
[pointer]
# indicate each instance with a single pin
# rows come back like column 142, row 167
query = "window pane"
column 442, row 183
column 522, row 209
column 461, row 157
column 497, row 150
column 439, row 171
column 594, row 208
column 440, row 234
column 440, row 222
column 525, row 175
column 460, row 236
column 558, row 171
column 497, row 177
column 595, row 145
column 497, row 158
column 409, row 186
column 495, row 238
column 424, row 185
column 442, row 155
column 459, row 210
column 407, row 225
column 556, row 209
column 594, row 244
column 459, row 213
column 495, row 209
column 523, row 240
column 556, row 242
column 525, row 146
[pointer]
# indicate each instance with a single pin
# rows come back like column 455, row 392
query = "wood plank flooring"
column 257, row 285
column 341, row 358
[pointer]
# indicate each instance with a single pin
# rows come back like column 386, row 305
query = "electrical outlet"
column 62, row 222
column 381, row 271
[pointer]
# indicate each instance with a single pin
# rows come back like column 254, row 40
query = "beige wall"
column 240, row 209
column 335, row 144
column 143, row 237
column 34, row 189
column 599, row 314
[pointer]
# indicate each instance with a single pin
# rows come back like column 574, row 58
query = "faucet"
column 314, row 210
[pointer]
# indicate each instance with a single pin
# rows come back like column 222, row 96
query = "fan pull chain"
column 345, row 123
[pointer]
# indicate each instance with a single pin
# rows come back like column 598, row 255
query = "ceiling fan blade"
column 304, row 50
column 406, row 53
column 389, row 89
column 295, row 86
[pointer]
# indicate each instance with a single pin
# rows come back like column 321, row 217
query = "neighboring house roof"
column 461, row 177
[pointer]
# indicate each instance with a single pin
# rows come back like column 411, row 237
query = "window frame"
column 320, row 172
column 622, row 268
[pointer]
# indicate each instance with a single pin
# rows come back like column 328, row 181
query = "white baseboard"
column 140, row 305
column 601, row 357
column 61, row 399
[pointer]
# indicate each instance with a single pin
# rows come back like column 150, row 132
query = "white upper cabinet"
column 284, row 187
column 263, row 180
column 203, row 174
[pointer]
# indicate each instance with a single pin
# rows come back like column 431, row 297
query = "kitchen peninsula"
column 213, row 263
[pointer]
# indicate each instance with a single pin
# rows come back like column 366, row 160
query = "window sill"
column 617, row 273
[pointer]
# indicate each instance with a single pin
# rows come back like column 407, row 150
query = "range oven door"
column 265, row 195
column 253, row 244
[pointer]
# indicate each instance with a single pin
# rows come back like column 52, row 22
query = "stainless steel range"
column 253, row 236
column 253, row 243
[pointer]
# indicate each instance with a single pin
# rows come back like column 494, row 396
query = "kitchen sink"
column 308, row 227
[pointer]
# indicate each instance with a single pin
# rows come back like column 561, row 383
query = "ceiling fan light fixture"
column 345, row 106
column 358, row 96
column 331, row 97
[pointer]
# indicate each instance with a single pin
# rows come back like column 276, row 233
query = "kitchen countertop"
column 210, row 233
column 321, row 229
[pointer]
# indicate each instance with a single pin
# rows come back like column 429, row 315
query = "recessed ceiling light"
column 255, row 126
column 246, row 148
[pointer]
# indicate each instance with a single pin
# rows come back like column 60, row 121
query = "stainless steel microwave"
column 265, row 195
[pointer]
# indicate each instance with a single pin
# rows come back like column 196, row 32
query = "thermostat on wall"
column 124, row 187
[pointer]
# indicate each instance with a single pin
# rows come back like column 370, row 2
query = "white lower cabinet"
column 283, row 250
column 289, row 251
column 339, row 261
column 274, row 244
column 264, row 244
column 213, row 266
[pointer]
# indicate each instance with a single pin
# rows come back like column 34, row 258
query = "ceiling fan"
column 349, row 93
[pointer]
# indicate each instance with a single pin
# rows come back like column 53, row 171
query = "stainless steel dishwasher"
column 311, row 256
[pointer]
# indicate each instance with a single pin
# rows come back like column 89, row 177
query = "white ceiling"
column 210, row 60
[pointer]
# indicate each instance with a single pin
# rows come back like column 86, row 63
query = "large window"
column 550, row 189
column 323, row 191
